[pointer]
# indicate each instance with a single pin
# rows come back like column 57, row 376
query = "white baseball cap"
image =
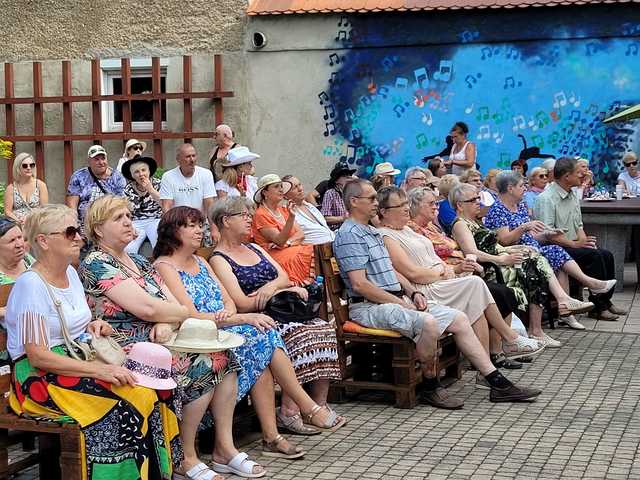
column 96, row 150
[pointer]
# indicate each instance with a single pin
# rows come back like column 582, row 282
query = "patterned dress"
column 500, row 216
column 23, row 206
column 312, row 347
column 143, row 205
column 254, row 356
column 196, row 374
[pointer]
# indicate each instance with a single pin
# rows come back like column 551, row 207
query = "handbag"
column 288, row 307
column 103, row 349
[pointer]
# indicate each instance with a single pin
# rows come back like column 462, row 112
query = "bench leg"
column 70, row 460
column 4, row 453
column 49, row 455
column 404, row 375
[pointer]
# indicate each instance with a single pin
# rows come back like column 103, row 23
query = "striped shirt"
column 360, row 247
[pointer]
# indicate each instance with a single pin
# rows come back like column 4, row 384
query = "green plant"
column 159, row 172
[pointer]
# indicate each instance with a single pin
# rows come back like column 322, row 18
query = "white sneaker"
column 547, row 341
column 522, row 347
column 571, row 322
column 608, row 285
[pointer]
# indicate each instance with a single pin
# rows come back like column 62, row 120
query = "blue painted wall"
column 400, row 81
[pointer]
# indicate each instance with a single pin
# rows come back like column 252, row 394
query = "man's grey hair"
column 506, row 179
column 416, row 196
column 411, row 171
column 181, row 147
column 459, row 191
column 353, row 189
column 549, row 163
column 563, row 166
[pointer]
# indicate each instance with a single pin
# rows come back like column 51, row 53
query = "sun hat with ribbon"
column 385, row 168
column 150, row 363
column 238, row 156
column 202, row 336
column 267, row 180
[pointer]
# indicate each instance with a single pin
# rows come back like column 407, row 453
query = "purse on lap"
column 288, row 307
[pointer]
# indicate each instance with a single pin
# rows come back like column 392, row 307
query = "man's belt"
column 353, row 300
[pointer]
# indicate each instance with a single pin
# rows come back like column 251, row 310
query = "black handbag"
column 287, row 306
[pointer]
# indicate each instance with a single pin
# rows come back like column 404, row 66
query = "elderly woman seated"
column 446, row 213
column 313, row 224
column 126, row 290
column 523, row 268
column 537, row 182
column 275, row 230
column 252, row 278
column 263, row 355
column 14, row 258
column 48, row 382
column 414, row 257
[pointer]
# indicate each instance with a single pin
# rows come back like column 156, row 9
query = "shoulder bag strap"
column 97, row 181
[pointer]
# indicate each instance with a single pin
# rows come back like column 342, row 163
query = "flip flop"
column 239, row 465
column 198, row 472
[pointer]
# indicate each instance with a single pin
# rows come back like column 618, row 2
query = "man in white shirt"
column 308, row 217
column 187, row 184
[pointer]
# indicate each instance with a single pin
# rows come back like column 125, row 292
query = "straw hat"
column 132, row 142
column 238, row 156
column 202, row 336
column 385, row 168
column 150, row 363
column 267, row 180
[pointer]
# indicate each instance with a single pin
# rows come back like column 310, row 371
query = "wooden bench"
column 58, row 452
column 405, row 368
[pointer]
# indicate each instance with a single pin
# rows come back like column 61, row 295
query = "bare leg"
column 557, row 288
column 192, row 414
column 498, row 323
column 469, row 344
column 495, row 342
column 481, row 329
column 319, row 390
column 427, row 347
column 572, row 268
column 535, row 320
column 563, row 280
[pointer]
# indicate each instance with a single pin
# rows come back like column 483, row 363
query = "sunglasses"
column 543, row 175
column 631, row 164
column 28, row 165
column 471, row 200
column 137, row 147
column 6, row 224
column 69, row 232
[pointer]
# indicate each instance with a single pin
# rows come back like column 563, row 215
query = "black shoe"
column 513, row 393
column 500, row 361
column 440, row 398
column 524, row 359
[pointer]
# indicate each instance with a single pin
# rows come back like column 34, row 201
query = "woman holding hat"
column 132, row 148
column 48, row 382
column 333, row 207
column 26, row 192
column 126, row 290
column 383, row 175
column 142, row 191
column 274, row 228
column 237, row 180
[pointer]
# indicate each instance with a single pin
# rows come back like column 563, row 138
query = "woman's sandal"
column 271, row 449
column 571, row 306
column 331, row 424
column 239, row 465
column 199, row 471
column 294, row 424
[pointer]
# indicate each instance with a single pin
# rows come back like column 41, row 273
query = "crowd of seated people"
column 426, row 254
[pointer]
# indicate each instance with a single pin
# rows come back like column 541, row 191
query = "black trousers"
column 597, row 263
column 504, row 298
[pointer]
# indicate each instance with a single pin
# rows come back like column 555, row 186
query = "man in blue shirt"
column 377, row 300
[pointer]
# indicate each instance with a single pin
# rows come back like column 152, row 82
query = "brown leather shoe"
column 605, row 315
column 440, row 398
column 617, row 310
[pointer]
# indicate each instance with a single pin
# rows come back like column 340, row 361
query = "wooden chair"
column 205, row 252
column 58, row 452
column 406, row 373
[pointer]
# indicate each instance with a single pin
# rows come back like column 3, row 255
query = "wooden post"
column 67, row 118
column 217, row 86
column 38, row 118
column 96, row 108
column 186, row 87
column 10, row 115
column 157, row 110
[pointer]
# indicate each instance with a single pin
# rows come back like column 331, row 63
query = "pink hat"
column 151, row 365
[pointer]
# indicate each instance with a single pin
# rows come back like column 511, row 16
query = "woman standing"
column 463, row 152
column 26, row 192
column 223, row 137
column 48, row 382
column 131, row 149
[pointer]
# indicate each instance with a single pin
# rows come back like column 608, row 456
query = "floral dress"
column 22, row 207
column 196, row 374
column 312, row 347
column 500, row 216
column 254, row 356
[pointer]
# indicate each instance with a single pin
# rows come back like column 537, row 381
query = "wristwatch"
column 288, row 243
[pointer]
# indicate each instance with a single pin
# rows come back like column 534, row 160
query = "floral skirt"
column 123, row 428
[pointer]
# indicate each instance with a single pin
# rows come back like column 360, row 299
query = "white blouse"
column 252, row 187
column 32, row 318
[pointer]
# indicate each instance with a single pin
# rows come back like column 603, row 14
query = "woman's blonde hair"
column 230, row 175
column 100, row 211
column 17, row 164
column 490, row 175
column 467, row 174
column 629, row 156
column 45, row 220
column 447, row 182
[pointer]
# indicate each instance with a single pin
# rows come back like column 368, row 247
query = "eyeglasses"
column 244, row 215
column 69, row 232
column 423, row 179
column 371, row 198
column 6, row 224
column 402, row 205
column 28, row 165
column 471, row 200
column 631, row 164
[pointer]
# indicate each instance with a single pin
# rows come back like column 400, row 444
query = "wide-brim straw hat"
column 385, row 168
column 150, row 364
column 267, row 180
column 126, row 166
column 130, row 143
column 238, row 156
column 202, row 336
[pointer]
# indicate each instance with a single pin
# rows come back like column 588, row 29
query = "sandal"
column 240, row 466
column 571, row 306
column 271, row 449
column 331, row 424
column 198, row 472
column 294, row 424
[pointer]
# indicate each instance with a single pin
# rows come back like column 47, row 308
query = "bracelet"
column 413, row 295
